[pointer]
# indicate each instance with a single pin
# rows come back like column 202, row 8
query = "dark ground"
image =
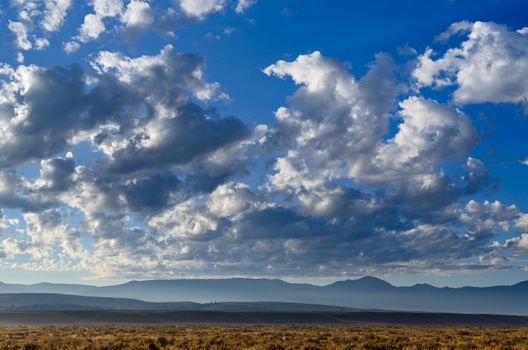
column 221, row 317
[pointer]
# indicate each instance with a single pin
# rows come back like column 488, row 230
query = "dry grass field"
column 261, row 337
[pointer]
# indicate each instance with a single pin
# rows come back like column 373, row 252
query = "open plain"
column 202, row 337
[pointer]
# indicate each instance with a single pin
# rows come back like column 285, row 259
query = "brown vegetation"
column 260, row 337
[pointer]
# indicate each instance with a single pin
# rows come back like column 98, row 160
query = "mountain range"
column 64, row 302
column 367, row 293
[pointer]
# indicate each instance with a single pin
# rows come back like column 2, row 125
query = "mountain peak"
column 523, row 284
column 367, row 282
column 372, row 281
column 371, row 278
column 424, row 285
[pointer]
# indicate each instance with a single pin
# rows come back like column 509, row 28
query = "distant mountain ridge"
column 59, row 302
column 364, row 293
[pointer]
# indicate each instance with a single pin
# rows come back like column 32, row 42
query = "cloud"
column 159, row 150
column 135, row 17
column 56, row 177
column 201, row 8
column 71, row 46
column 489, row 216
column 41, row 43
column 176, row 141
column 454, row 29
column 519, row 244
column 91, row 28
column 45, row 233
column 43, row 109
column 150, row 193
column 54, row 14
column 138, row 15
column 243, row 5
column 48, row 15
column 13, row 191
column 46, row 230
column 231, row 199
column 21, row 34
column 56, row 174
column 46, row 109
column 17, row 193
column 478, row 177
column 108, row 8
column 175, row 131
column 429, row 197
column 334, row 122
column 488, row 67
column 178, row 72
column 430, row 133
column 357, row 174
column 186, row 221
column 522, row 223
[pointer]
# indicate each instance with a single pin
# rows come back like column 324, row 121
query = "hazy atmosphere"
column 309, row 141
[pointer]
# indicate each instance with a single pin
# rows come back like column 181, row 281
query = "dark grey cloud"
column 56, row 174
column 50, row 112
column 150, row 193
column 48, row 108
column 479, row 178
column 15, row 193
column 280, row 223
column 190, row 135
column 51, row 106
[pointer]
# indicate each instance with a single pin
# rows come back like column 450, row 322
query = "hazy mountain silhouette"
column 57, row 302
column 363, row 293
column 44, row 288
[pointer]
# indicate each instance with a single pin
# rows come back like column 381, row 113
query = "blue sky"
column 310, row 141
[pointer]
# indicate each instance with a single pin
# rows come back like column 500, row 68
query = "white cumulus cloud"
column 201, row 8
column 490, row 66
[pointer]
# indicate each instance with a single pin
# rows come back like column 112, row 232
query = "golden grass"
column 260, row 337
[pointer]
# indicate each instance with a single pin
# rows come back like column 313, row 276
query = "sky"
column 310, row 141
